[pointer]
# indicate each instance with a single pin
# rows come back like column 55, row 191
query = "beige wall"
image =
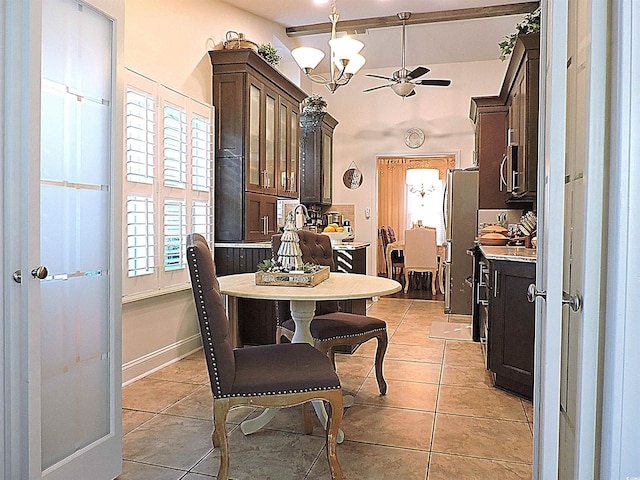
column 168, row 40
column 374, row 124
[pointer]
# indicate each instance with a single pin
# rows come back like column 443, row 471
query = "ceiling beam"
column 416, row 18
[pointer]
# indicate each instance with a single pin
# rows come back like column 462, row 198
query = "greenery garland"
column 530, row 24
column 269, row 53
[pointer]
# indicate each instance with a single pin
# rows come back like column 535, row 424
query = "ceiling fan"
column 403, row 80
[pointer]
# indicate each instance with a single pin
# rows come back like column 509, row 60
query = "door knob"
column 574, row 301
column 40, row 272
column 533, row 292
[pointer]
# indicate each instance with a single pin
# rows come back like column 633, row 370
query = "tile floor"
column 440, row 419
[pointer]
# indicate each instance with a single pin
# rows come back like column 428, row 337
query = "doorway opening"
column 410, row 192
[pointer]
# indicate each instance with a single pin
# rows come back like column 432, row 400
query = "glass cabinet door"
column 294, row 152
column 283, row 163
column 253, row 154
column 271, row 127
column 327, row 157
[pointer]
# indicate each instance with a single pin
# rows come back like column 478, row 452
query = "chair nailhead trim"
column 281, row 392
column 205, row 321
column 340, row 336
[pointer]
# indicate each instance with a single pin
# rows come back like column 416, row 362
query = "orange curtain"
column 392, row 192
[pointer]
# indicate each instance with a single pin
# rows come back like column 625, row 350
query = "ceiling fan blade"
column 378, row 76
column 434, row 83
column 376, row 88
column 413, row 92
column 418, row 72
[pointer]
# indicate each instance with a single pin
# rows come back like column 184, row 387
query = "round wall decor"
column 352, row 177
column 414, row 138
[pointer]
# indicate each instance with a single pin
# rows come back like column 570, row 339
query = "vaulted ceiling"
column 450, row 34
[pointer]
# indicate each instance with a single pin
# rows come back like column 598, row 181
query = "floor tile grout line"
column 482, row 418
column 435, row 414
column 476, row 457
column 155, row 465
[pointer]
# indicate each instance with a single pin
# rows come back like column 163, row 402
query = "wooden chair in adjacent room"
column 388, row 235
column 331, row 328
column 420, row 254
column 271, row 376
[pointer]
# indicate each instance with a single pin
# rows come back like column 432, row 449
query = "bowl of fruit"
column 335, row 232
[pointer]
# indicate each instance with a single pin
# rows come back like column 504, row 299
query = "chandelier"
column 419, row 176
column 422, row 192
column 345, row 59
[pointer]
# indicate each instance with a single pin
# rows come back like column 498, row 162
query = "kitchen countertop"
column 336, row 246
column 350, row 245
column 514, row 254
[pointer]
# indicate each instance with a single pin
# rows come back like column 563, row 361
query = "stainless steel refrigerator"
column 460, row 219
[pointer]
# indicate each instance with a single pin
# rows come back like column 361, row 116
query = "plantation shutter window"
column 168, row 185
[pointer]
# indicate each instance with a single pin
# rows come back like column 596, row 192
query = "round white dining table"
column 339, row 286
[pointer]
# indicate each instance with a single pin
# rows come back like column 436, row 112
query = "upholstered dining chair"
column 420, row 254
column 331, row 328
column 388, row 235
column 271, row 376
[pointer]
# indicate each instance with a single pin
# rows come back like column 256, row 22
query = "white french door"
column 64, row 296
column 569, row 322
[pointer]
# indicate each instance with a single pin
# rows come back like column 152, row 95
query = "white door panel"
column 580, row 237
column 551, row 170
column 63, row 192
column 80, row 360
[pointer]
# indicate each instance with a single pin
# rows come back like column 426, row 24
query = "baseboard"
column 154, row 361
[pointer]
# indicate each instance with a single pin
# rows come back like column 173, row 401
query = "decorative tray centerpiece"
column 271, row 272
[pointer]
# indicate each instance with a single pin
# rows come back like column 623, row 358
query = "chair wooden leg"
column 433, row 283
column 307, row 420
column 333, row 425
column 406, row 280
column 380, row 351
column 219, row 436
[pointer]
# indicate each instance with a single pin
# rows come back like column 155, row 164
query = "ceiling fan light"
column 345, row 48
column 307, row 58
column 403, row 88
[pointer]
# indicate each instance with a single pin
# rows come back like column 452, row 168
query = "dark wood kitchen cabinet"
column 506, row 132
column 511, row 326
column 260, row 216
column 520, row 90
column 257, row 142
column 289, row 148
column 316, row 159
column 490, row 116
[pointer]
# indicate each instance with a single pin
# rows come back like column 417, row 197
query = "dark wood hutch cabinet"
column 506, row 132
column 257, row 144
column 490, row 117
column 521, row 91
column 316, row 165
